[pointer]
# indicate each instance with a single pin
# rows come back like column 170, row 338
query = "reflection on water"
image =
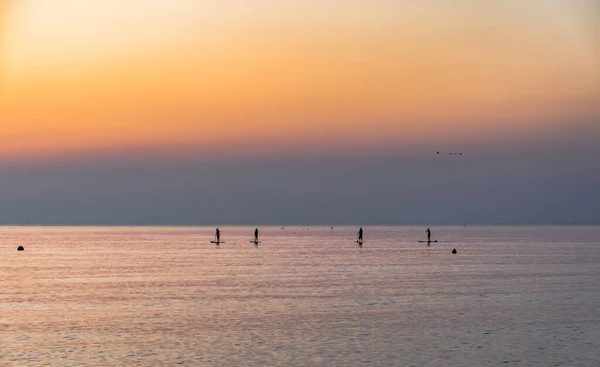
column 304, row 297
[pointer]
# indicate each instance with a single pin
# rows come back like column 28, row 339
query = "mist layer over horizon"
column 493, row 188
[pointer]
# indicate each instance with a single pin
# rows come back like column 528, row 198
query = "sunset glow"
column 92, row 75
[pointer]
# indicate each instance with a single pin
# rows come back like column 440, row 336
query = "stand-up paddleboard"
column 217, row 242
column 256, row 242
column 360, row 243
column 427, row 241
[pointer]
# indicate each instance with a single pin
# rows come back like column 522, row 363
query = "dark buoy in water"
column 454, row 251
column 20, row 248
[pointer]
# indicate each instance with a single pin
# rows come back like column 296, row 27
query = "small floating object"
column 217, row 242
column 20, row 248
column 454, row 251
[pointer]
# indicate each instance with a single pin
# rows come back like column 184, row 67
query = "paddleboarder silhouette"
column 428, row 235
column 360, row 236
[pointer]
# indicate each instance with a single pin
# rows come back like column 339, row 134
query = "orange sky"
column 107, row 75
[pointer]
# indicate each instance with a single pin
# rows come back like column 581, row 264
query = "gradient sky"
column 288, row 106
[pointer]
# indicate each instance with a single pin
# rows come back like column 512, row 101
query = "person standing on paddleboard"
column 360, row 235
column 428, row 235
column 256, row 235
column 218, row 235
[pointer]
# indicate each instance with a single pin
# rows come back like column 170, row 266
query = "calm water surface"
column 512, row 296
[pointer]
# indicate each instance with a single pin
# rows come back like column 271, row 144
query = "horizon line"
column 308, row 225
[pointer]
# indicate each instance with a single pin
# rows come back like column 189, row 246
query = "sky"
column 299, row 112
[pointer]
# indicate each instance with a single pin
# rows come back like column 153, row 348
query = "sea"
column 305, row 296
